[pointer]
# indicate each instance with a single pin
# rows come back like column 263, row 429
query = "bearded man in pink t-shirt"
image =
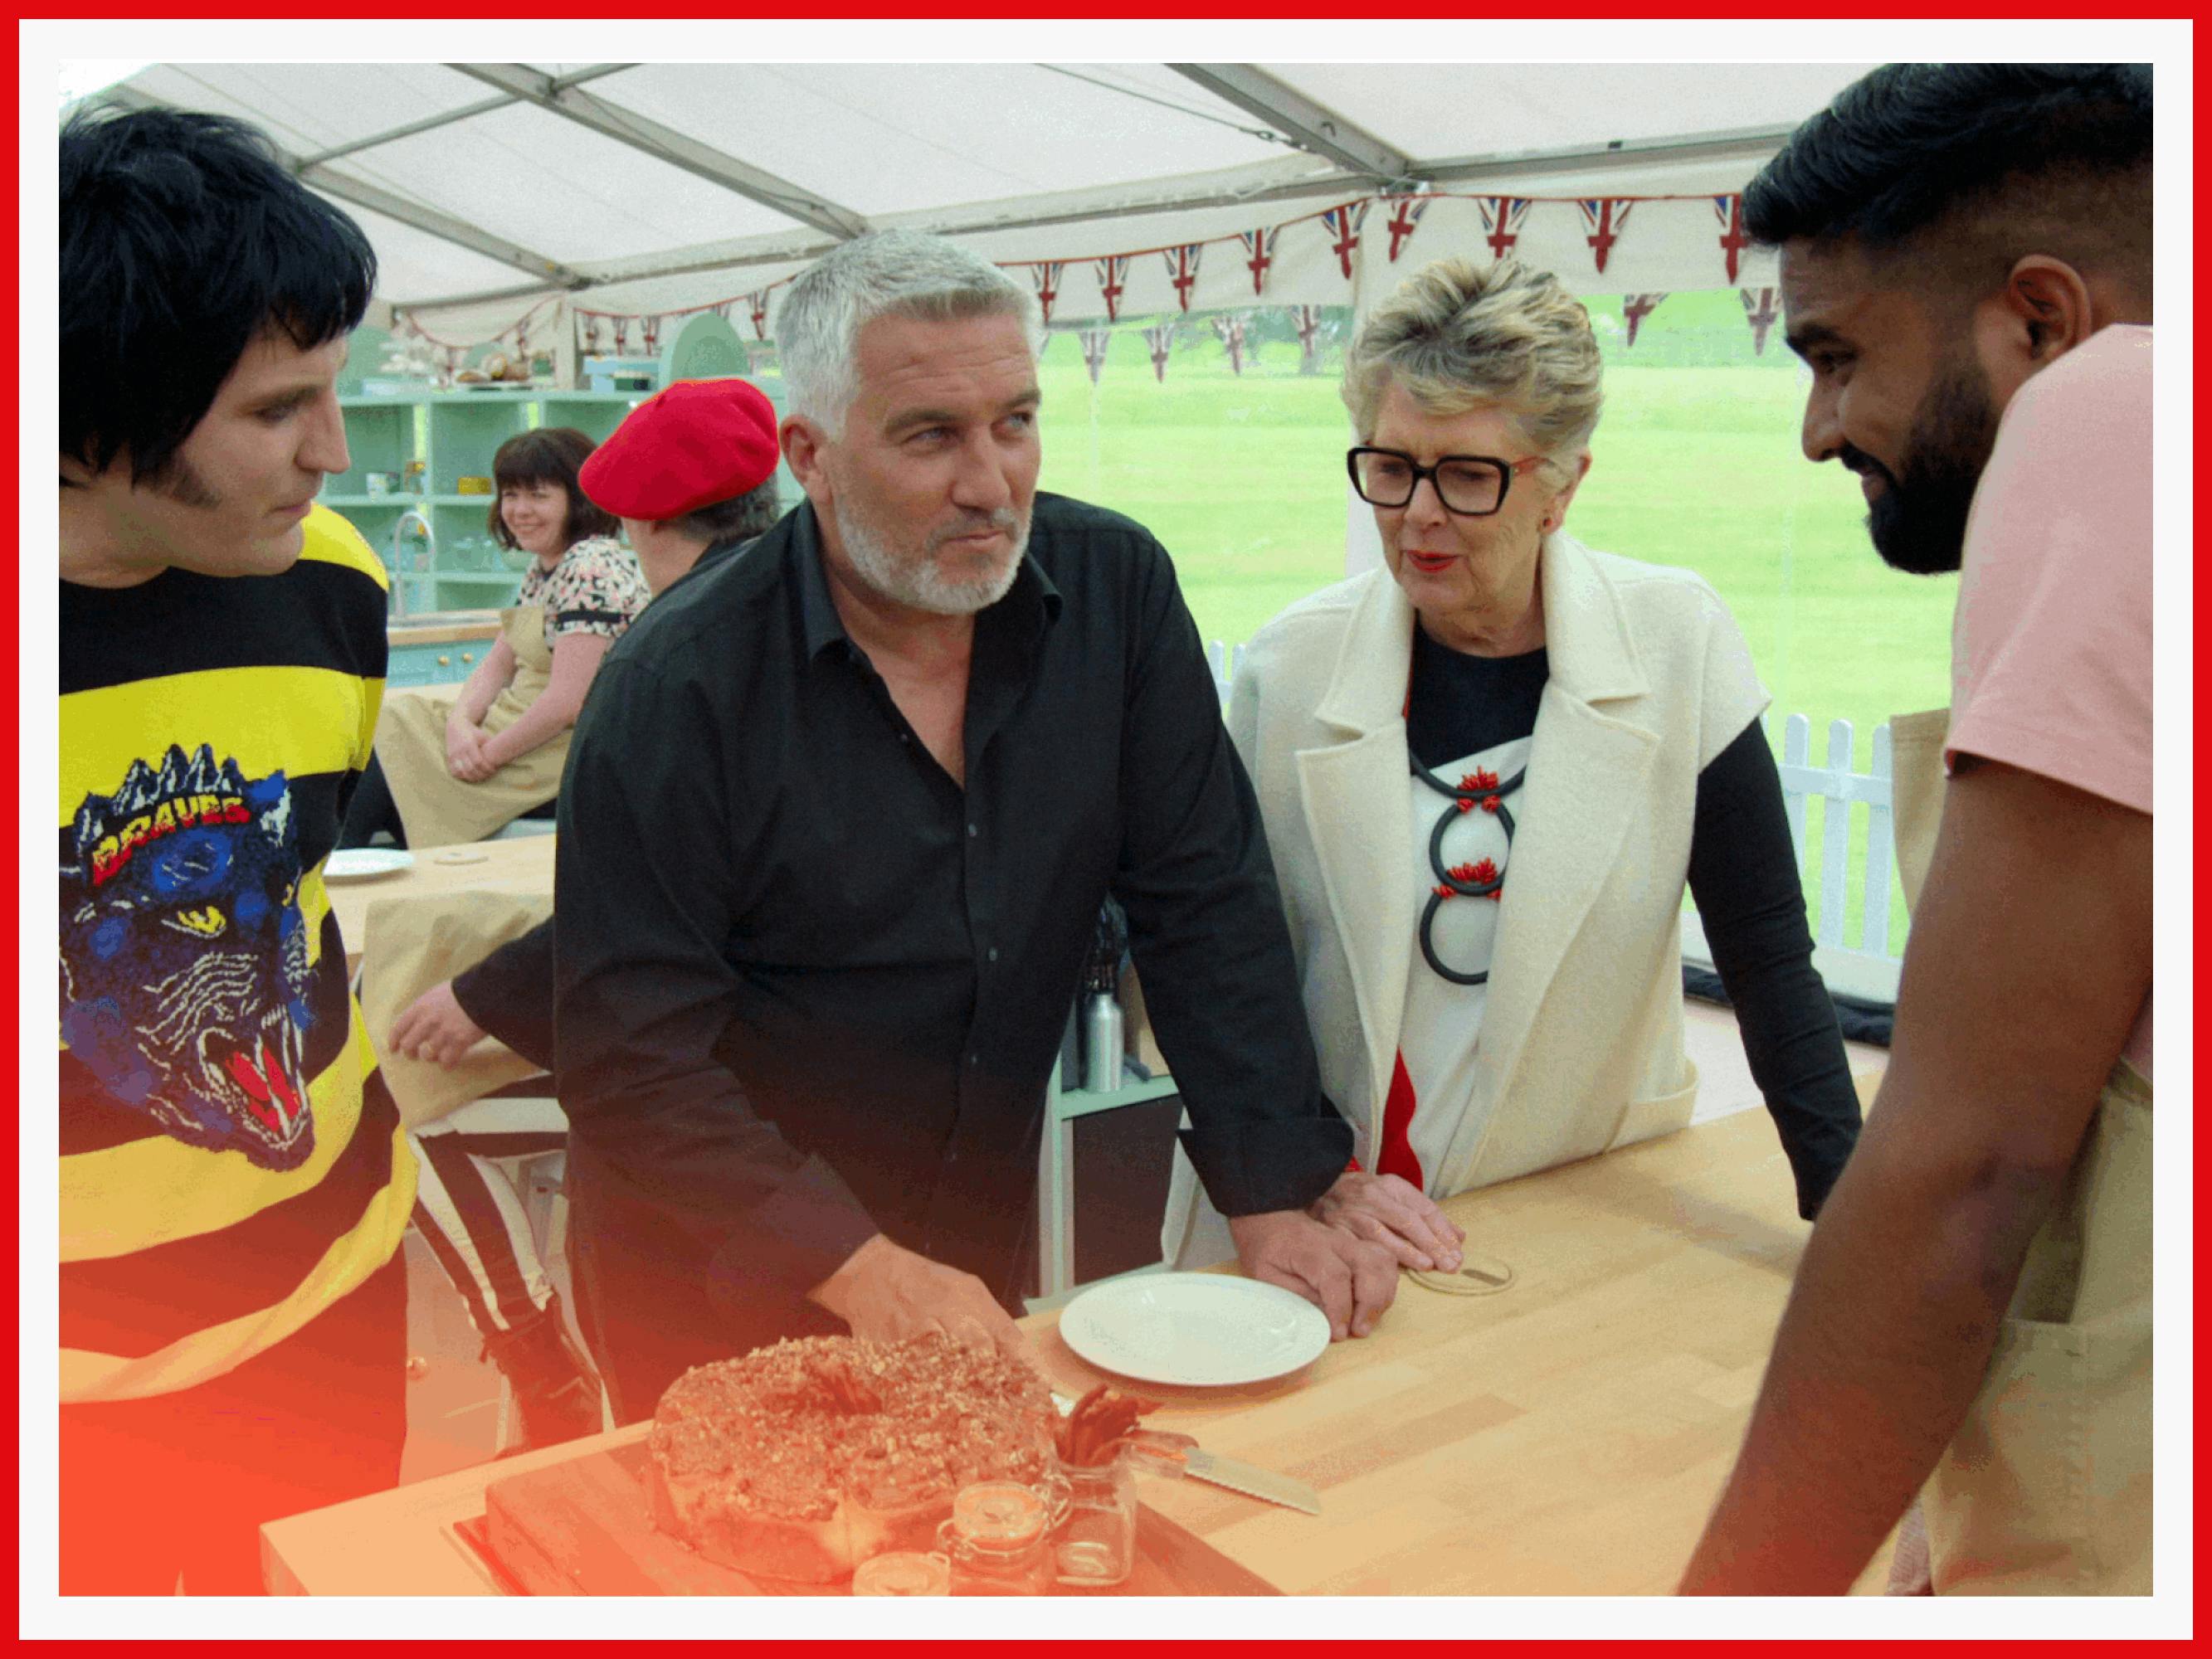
column 1966, row 254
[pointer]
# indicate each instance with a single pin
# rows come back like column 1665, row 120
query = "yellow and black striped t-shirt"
column 230, row 1162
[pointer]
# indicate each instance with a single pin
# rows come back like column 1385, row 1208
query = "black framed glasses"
column 1473, row 486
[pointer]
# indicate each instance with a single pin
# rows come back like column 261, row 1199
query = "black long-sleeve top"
column 1743, row 875
column 809, row 988
column 510, row 994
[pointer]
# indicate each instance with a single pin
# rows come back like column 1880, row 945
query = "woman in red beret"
column 454, row 768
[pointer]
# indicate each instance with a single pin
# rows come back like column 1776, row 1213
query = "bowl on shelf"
column 472, row 484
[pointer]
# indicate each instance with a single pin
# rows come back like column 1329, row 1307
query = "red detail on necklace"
column 1396, row 1155
column 1489, row 804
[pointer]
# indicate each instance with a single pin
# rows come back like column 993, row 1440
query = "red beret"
column 688, row 445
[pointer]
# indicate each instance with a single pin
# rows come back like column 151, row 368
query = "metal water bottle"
column 1102, row 1008
column 1102, row 1040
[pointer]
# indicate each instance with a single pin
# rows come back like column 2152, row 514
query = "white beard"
column 918, row 583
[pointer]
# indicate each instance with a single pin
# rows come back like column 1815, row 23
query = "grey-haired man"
column 836, row 828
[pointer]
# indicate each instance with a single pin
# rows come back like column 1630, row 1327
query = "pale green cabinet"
column 458, row 566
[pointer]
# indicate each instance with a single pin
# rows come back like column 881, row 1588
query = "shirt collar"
column 817, row 614
column 1032, row 595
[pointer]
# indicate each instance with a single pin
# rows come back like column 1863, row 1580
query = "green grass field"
column 1243, row 479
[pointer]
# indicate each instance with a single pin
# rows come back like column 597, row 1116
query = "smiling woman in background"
column 1486, row 772
column 452, row 768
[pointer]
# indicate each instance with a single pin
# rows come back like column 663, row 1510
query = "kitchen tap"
column 421, row 520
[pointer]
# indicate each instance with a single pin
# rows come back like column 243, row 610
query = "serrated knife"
column 1254, row 1482
column 1183, row 1456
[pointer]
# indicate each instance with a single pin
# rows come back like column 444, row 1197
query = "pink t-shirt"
column 2050, row 647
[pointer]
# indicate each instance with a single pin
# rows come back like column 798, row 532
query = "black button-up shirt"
column 809, row 988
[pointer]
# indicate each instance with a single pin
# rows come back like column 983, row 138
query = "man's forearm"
column 1884, row 1343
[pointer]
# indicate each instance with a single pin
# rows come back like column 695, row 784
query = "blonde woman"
column 1487, row 771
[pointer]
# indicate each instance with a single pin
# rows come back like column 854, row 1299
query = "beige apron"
column 436, row 807
column 2046, row 1487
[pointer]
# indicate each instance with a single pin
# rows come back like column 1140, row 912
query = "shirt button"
column 992, row 953
column 971, row 831
column 974, row 1060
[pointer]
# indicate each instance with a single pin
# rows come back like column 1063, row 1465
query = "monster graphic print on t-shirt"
column 184, row 955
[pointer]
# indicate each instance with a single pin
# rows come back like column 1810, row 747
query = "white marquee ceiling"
column 633, row 187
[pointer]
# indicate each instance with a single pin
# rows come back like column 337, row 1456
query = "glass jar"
column 904, row 1572
column 998, row 1539
column 1097, row 1546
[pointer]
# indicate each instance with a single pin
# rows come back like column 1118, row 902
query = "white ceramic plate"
column 1195, row 1330
column 366, row 863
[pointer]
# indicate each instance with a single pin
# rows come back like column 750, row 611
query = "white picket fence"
column 1865, row 964
column 1861, row 960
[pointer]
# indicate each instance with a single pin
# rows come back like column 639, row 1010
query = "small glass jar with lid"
column 904, row 1572
column 999, row 1538
column 1097, row 1546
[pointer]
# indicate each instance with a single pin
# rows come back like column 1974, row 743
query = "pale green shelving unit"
column 454, row 434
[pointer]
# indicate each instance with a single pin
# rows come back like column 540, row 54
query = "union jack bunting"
column 1605, row 216
column 1342, row 224
column 1094, row 342
column 1158, row 338
column 1258, row 254
column 591, row 334
column 1635, row 308
column 1761, row 314
column 1112, row 274
column 1729, row 210
column 758, row 305
column 1406, row 213
column 1502, row 216
column 1182, row 269
column 1231, row 331
column 1046, row 277
column 622, row 336
column 650, row 327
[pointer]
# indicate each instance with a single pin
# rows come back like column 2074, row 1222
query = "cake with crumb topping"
column 801, row 1461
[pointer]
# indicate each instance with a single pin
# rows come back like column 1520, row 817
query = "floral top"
column 596, row 589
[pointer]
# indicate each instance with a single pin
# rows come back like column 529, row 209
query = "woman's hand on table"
column 1348, row 1279
column 1391, row 1211
column 435, row 1027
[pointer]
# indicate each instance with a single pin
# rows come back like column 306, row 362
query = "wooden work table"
column 521, row 864
column 1564, row 1436
column 445, row 628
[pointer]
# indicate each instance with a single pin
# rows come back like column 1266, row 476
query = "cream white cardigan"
column 1582, row 1042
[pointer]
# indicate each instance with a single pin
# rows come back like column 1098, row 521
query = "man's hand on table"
column 1388, row 1211
column 435, row 1027
column 885, row 1292
column 1348, row 1279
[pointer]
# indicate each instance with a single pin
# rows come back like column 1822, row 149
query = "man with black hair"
column 234, row 1179
column 1965, row 267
